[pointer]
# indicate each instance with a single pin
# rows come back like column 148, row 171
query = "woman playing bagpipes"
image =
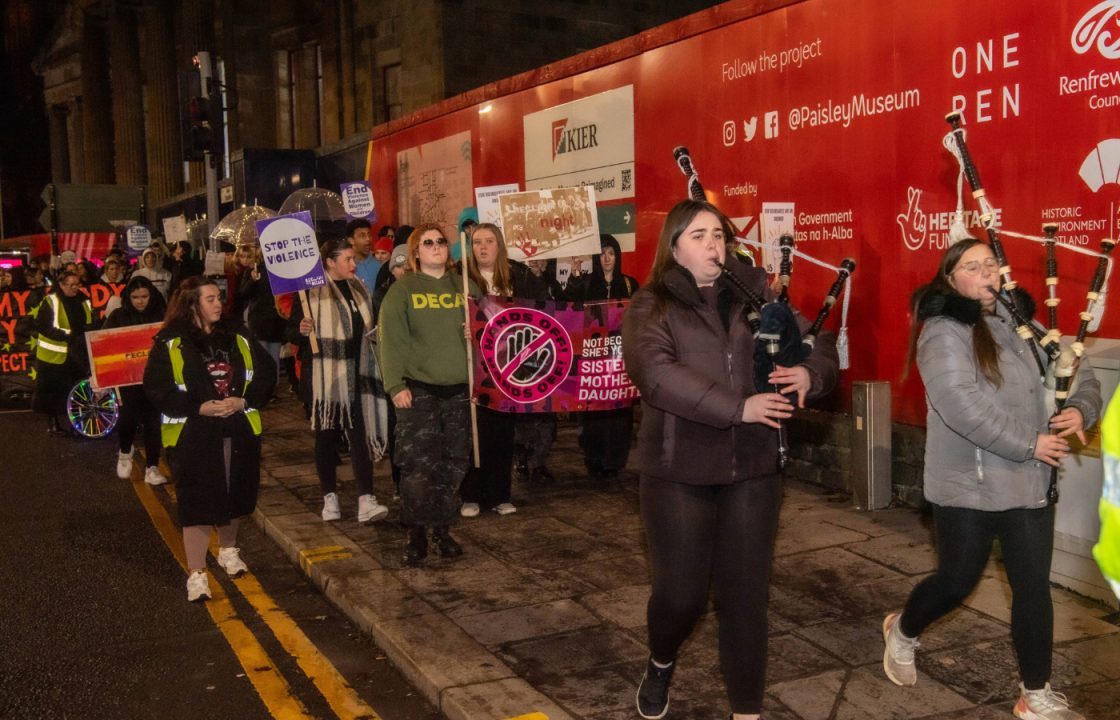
column 710, row 489
column 990, row 444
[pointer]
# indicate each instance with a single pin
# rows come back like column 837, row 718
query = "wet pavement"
column 545, row 611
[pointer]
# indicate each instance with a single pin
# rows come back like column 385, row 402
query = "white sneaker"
column 505, row 509
column 154, row 477
column 330, row 507
column 124, row 464
column 369, row 510
column 469, row 510
column 1044, row 704
column 198, row 586
column 230, row 560
column 898, row 655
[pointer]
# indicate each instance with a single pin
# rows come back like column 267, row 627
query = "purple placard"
column 357, row 200
column 291, row 253
column 549, row 356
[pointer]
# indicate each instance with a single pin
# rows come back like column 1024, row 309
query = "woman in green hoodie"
column 424, row 366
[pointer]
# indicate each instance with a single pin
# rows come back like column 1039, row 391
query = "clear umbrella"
column 325, row 206
column 240, row 226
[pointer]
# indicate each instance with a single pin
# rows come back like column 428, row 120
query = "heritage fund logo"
column 578, row 138
column 1098, row 27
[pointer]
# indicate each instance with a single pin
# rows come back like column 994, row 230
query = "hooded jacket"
column 695, row 376
column 980, row 438
column 594, row 286
column 127, row 314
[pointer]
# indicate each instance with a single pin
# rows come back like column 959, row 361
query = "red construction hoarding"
column 835, row 107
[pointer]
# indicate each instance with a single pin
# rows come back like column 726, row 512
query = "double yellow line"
column 274, row 690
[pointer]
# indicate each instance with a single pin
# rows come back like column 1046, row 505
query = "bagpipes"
column 779, row 340
column 1062, row 362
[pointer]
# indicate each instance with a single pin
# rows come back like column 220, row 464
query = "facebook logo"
column 770, row 124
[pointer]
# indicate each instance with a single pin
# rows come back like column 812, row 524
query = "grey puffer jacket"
column 980, row 438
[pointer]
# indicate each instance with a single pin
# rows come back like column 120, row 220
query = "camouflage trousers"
column 433, row 441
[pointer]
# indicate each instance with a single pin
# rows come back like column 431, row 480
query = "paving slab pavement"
column 544, row 615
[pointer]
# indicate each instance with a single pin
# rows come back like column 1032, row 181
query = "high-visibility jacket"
column 172, row 427
column 49, row 350
column 1107, row 549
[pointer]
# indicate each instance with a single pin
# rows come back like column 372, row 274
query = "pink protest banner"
column 537, row 356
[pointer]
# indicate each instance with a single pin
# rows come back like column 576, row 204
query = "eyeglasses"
column 428, row 242
column 973, row 268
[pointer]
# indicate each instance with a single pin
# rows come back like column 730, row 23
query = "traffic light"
column 202, row 128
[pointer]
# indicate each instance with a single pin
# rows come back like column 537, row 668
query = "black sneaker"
column 446, row 545
column 416, row 549
column 653, row 693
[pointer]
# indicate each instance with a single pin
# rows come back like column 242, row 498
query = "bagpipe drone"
column 1058, row 372
column 772, row 322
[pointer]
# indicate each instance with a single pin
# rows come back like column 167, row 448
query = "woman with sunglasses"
column 990, row 444
column 423, row 350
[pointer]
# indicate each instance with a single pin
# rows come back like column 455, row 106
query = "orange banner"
column 118, row 356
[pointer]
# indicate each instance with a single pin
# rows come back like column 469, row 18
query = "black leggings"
column 489, row 484
column 964, row 541
column 723, row 536
column 135, row 408
column 326, row 456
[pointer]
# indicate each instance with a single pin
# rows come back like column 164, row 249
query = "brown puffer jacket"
column 695, row 376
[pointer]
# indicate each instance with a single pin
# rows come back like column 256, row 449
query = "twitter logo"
column 750, row 127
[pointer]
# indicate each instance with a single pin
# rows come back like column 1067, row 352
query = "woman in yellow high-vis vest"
column 209, row 379
column 61, row 321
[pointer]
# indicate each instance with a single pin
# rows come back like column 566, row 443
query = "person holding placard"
column 258, row 302
column 209, row 380
column 141, row 304
column 339, row 383
column 604, row 435
column 423, row 350
column 487, row 487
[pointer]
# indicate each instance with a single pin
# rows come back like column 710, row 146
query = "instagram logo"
column 729, row 133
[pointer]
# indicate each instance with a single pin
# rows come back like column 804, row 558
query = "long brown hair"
column 414, row 246
column 502, row 283
column 676, row 222
column 184, row 304
column 983, row 344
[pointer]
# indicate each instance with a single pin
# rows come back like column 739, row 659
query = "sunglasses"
column 429, row 242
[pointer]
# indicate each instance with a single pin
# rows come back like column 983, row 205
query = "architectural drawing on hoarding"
column 1098, row 27
column 545, row 224
column 434, row 180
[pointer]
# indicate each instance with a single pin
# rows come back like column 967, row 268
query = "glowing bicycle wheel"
column 92, row 413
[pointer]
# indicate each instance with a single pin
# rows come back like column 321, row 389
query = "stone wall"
column 821, row 453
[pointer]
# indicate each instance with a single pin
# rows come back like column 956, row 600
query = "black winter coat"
column 198, row 461
column 695, row 376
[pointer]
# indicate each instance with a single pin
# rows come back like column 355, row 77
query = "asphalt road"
column 95, row 622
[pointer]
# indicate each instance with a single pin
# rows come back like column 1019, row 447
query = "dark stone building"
column 298, row 75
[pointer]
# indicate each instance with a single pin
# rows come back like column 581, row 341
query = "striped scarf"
column 333, row 375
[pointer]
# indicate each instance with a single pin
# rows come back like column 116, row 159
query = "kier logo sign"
column 1100, row 27
column 579, row 138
